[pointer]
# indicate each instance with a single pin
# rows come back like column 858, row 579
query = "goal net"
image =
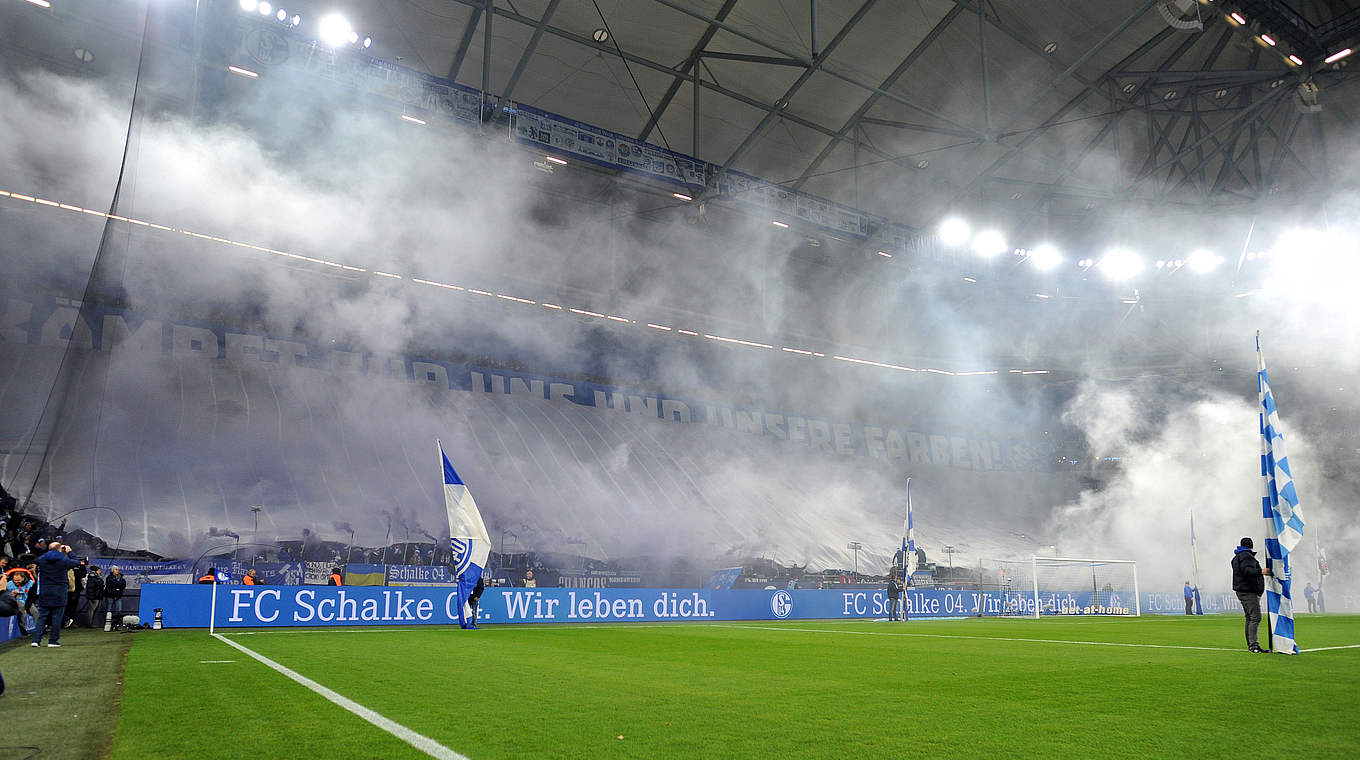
column 1063, row 586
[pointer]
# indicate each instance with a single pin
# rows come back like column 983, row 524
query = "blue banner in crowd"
column 417, row 574
column 251, row 606
column 139, row 571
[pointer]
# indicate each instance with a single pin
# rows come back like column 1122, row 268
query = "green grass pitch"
column 806, row 689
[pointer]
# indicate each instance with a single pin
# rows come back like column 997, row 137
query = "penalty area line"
column 419, row 741
column 982, row 638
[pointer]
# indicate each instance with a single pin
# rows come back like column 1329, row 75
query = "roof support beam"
column 1107, row 39
column 691, row 62
column 529, row 49
column 1237, row 123
column 783, row 102
column 850, row 78
column 468, row 32
column 912, row 126
column 1231, row 140
column 765, row 59
column 664, row 69
column 869, row 102
column 1058, row 116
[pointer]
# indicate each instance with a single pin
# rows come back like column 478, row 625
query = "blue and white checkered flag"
column 1281, row 511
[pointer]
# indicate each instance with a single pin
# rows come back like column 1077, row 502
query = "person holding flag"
column 909, row 559
column 1193, row 591
column 1249, row 583
column 468, row 539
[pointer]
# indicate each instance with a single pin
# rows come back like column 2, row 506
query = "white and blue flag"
column 1194, row 564
column 1281, row 511
column 467, row 536
column 908, row 542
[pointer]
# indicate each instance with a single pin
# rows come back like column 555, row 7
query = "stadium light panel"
column 1045, row 257
column 335, row 30
column 1120, row 264
column 1338, row 55
column 40, row 3
column 1266, row 38
column 266, row 9
column 989, row 243
column 1239, row 18
column 1294, row 59
column 1202, row 261
column 282, row 15
column 954, row 232
column 779, row 224
column 368, row 42
column 249, row 5
column 413, row 120
column 682, row 196
column 556, row 160
column 885, row 254
column 243, row 72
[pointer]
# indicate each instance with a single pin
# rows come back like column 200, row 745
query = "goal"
column 1064, row 586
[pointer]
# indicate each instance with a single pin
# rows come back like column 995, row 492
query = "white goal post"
column 1102, row 572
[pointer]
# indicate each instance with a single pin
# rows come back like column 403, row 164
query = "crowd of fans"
column 23, row 539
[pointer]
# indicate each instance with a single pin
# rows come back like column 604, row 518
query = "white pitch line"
column 213, row 662
column 419, row 741
column 374, row 629
column 982, row 638
column 1323, row 649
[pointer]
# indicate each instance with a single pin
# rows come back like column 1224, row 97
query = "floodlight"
column 295, row 20
column 249, row 5
column 353, row 37
column 335, row 30
column 1294, row 59
column 282, row 15
column 954, row 232
column 266, row 9
column 1045, row 257
column 1338, row 55
column 1160, row 264
column 1121, row 264
column 1266, row 38
column 368, row 42
column 989, row 243
column 1202, row 261
column 1239, row 18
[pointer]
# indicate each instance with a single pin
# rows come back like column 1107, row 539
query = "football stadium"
column 679, row 378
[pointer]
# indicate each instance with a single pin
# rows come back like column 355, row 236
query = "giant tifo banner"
column 189, row 606
column 54, row 323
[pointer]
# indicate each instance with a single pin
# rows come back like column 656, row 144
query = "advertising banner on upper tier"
column 255, row 606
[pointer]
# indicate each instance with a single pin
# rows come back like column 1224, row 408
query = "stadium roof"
column 911, row 109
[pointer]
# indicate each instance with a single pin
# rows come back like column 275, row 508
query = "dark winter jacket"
column 52, row 568
column 94, row 586
column 1247, row 575
column 114, row 586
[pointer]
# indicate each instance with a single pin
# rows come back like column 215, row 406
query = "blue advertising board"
column 255, row 606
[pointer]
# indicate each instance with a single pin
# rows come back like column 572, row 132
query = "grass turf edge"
column 68, row 698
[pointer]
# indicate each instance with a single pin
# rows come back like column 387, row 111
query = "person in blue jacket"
column 52, row 568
